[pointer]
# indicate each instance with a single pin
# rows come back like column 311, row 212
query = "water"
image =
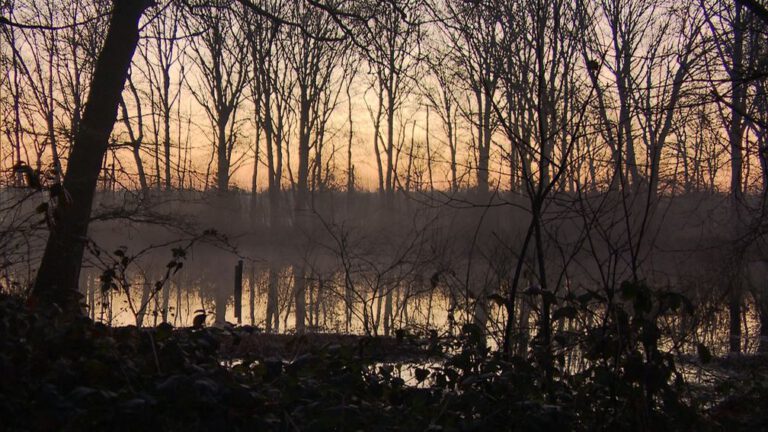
column 439, row 262
column 186, row 296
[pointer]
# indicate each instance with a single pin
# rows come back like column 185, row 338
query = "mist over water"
column 425, row 261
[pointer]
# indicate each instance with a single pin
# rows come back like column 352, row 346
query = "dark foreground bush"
column 78, row 375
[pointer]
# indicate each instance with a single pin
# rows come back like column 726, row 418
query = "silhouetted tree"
column 58, row 275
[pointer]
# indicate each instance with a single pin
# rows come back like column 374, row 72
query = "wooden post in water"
column 239, row 291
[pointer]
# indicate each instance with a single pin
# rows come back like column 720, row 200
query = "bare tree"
column 393, row 40
column 161, row 52
column 442, row 99
column 271, row 88
column 221, row 56
column 58, row 276
column 474, row 37
column 135, row 132
column 727, row 24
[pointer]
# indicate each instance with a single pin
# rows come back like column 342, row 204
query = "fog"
column 369, row 264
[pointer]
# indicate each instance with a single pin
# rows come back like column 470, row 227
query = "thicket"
column 64, row 374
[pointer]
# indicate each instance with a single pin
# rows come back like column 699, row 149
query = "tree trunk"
column 735, row 138
column 350, row 167
column 429, row 157
column 762, row 315
column 304, row 130
column 141, row 312
column 376, row 135
column 390, row 176
column 166, row 302
column 167, row 130
column 252, row 294
column 57, row 278
column 483, row 156
column 299, row 289
column 388, row 313
column 734, row 315
column 221, row 297
column 273, row 318
column 222, row 159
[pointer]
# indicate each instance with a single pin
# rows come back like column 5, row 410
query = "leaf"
column 421, row 374
column 82, row 392
column 198, row 321
column 639, row 294
column 498, row 299
column 564, row 312
column 434, row 280
column 548, row 296
column 629, row 290
column 674, row 301
column 587, row 297
column 534, row 290
column 704, row 354
column 163, row 331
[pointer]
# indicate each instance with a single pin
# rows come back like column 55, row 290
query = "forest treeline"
column 399, row 96
column 591, row 119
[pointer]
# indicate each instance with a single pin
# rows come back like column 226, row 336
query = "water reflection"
column 330, row 309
